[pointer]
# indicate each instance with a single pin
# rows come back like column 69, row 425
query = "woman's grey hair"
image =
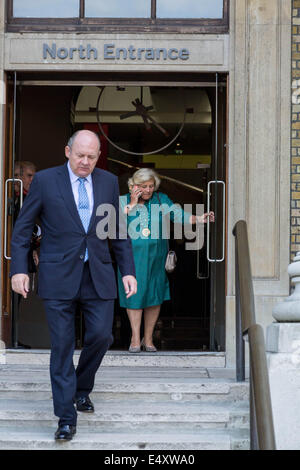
column 143, row 175
column 73, row 137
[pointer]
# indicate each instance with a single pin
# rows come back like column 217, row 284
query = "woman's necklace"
column 146, row 219
column 146, row 232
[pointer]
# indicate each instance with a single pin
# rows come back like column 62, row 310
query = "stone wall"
column 295, row 146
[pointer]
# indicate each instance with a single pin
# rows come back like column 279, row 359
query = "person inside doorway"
column 17, row 175
column 150, row 252
column 25, row 171
column 75, row 268
column 28, row 170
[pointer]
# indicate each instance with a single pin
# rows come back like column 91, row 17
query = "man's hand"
column 20, row 284
column 130, row 285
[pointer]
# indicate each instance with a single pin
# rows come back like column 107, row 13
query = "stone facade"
column 259, row 150
column 295, row 147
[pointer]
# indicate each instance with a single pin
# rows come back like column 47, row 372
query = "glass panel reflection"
column 46, row 8
column 189, row 9
column 117, row 8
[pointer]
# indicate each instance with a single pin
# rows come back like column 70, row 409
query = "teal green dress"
column 149, row 251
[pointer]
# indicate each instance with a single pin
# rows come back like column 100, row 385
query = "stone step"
column 216, row 392
column 128, row 415
column 117, row 384
column 125, row 359
column 42, row 439
column 136, row 408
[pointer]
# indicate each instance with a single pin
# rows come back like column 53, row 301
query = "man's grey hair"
column 73, row 137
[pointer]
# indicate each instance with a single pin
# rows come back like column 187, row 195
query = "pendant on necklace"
column 146, row 232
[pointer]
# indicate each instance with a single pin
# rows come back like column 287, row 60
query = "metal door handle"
column 198, row 273
column 216, row 260
column 10, row 180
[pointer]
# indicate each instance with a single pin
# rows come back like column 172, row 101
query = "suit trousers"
column 67, row 382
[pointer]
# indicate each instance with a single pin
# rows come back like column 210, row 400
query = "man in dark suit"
column 75, row 268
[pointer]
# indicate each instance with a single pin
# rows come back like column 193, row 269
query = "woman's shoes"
column 146, row 348
column 134, row 349
column 143, row 347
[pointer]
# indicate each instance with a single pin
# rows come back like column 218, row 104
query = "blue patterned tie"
column 83, row 207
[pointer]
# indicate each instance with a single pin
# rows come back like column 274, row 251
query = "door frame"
column 10, row 124
column 8, row 172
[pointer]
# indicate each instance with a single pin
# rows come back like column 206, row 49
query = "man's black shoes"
column 84, row 404
column 65, row 432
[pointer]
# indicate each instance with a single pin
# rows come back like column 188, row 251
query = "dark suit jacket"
column 64, row 239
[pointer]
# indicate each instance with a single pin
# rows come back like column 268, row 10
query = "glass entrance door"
column 216, row 201
column 13, row 199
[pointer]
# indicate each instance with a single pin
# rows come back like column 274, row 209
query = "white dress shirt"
column 88, row 186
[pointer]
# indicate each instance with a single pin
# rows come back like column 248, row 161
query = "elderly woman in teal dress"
column 145, row 208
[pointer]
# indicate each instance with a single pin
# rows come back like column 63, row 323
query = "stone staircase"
column 139, row 404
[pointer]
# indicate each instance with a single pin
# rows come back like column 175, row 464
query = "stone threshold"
column 124, row 358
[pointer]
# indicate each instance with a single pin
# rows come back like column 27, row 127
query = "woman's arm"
column 178, row 215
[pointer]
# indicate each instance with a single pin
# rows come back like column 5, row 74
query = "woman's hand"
column 135, row 195
column 208, row 215
column 202, row 219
